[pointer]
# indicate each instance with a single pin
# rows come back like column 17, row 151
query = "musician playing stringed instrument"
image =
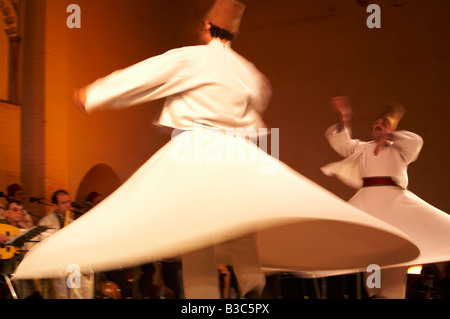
column 13, row 214
column 9, row 226
column 11, row 256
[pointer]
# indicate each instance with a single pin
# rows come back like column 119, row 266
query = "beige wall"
column 4, row 56
column 310, row 50
column 9, row 144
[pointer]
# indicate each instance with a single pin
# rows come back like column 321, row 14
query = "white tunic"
column 208, row 83
column 428, row 227
column 361, row 162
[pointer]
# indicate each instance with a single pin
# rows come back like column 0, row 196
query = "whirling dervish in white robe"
column 211, row 183
column 378, row 170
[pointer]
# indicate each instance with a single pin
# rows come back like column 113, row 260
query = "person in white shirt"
column 56, row 219
column 378, row 169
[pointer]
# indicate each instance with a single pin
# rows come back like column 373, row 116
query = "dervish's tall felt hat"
column 393, row 112
column 226, row 14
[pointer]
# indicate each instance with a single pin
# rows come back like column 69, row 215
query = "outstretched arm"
column 339, row 135
column 145, row 81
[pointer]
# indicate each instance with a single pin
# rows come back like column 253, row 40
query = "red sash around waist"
column 378, row 181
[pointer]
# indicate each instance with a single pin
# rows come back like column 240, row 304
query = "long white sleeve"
column 148, row 80
column 341, row 141
column 409, row 144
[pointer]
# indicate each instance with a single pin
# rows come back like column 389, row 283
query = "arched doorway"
column 101, row 179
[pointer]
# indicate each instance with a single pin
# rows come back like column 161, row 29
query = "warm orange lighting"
column 415, row 270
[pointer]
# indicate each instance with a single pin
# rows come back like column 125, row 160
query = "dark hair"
column 217, row 32
column 55, row 195
column 8, row 205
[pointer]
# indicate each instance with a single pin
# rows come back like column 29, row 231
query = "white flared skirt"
column 427, row 226
column 204, row 188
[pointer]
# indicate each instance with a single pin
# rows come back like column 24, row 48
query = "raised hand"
column 79, row 96
column 342, row 106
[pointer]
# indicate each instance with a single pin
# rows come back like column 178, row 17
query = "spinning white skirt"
column 427, row 226
column 204, row 188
